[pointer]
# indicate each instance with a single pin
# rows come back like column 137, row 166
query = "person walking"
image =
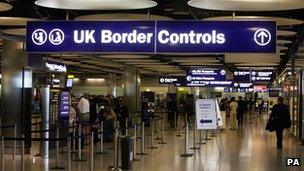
column 280, row 120
column 233, row 106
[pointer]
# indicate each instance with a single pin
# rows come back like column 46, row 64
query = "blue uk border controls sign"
column 151, row 36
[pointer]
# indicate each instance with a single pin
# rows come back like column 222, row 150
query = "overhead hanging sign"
column 171, row 80
column 206, row 114
column 151, row 36
column 253, row 76
column 261, row 76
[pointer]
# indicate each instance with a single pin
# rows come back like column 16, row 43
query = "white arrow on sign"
column 262, row 37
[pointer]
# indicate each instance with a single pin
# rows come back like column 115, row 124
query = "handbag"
column 271, row 124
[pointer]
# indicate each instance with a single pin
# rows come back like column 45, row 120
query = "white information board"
column 206, row 118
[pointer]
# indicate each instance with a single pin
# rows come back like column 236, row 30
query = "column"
column 172, row 89
column 132, row 89
column 112, row 84
column 16, row 92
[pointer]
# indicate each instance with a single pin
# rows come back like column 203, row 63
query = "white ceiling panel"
column 96, row 4
column 247, row 5
column 279, row 20
column 251, row 57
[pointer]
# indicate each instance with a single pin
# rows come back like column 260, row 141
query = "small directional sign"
column 262, row 37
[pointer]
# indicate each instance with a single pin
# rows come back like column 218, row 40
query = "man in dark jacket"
column 281, row 116
column 241, row 110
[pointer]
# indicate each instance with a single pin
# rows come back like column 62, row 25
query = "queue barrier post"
column 80, row 159
column 15, row 142
column 115, row 156
column 69, row 155
column 206, row 136
column 57, row 167
column 186, row 154
column 22, row 153
column 194, row 137
column 2, row 154
column 92, row 152
column 126, row 127
column 162, row 130
column 101, row 150
column 142, row 140
column 152, row 134
column 74, row 135
column 158, row 131
column 134, row 144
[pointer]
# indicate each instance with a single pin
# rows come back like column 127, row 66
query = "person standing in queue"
column 84, row 112
column 280, row 117
column 84, row 108
column 171, row 112
column 233, row 106
column 122, row 114
column 223, row 108
column 240, row 111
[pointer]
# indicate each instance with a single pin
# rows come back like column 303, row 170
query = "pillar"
column 16, row 92
column 132, row 89
column 172, row 89
column 112, row 84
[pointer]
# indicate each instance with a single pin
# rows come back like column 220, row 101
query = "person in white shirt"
column 84, row 108
column 233, row 113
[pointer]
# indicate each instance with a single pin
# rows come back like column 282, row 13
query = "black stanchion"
column 2, row 154
column 69, row 155
column 92, row 152
column 186, row 154
column 15, row 142
column 57, row 167
column 22, row 153
column 134, row 143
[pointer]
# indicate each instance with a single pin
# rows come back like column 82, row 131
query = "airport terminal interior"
column 152, row 85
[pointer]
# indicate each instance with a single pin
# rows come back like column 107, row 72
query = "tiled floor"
column 248, row 149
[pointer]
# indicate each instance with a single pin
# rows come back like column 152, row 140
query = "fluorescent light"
column 76, row 79
column 96, row 79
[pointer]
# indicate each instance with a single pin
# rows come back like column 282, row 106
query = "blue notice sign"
column 216, row 36
column 151, row 36
column 201, row 74
column 88, row 36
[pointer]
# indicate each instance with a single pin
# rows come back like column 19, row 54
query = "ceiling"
column 290, row 26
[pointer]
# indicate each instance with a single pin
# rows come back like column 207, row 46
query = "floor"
column 249, row 148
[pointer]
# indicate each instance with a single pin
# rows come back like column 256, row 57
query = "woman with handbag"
column 279, row 120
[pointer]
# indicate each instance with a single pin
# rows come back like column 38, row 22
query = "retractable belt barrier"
column 79, row 125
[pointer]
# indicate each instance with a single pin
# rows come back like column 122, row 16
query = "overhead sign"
column 253, row 76
column 206, row 116
column 171, row 80
column 260, row 76
column 242, row 76
column 55, row 66
column 205, row 74
column 210, row 84
column 152, row 36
